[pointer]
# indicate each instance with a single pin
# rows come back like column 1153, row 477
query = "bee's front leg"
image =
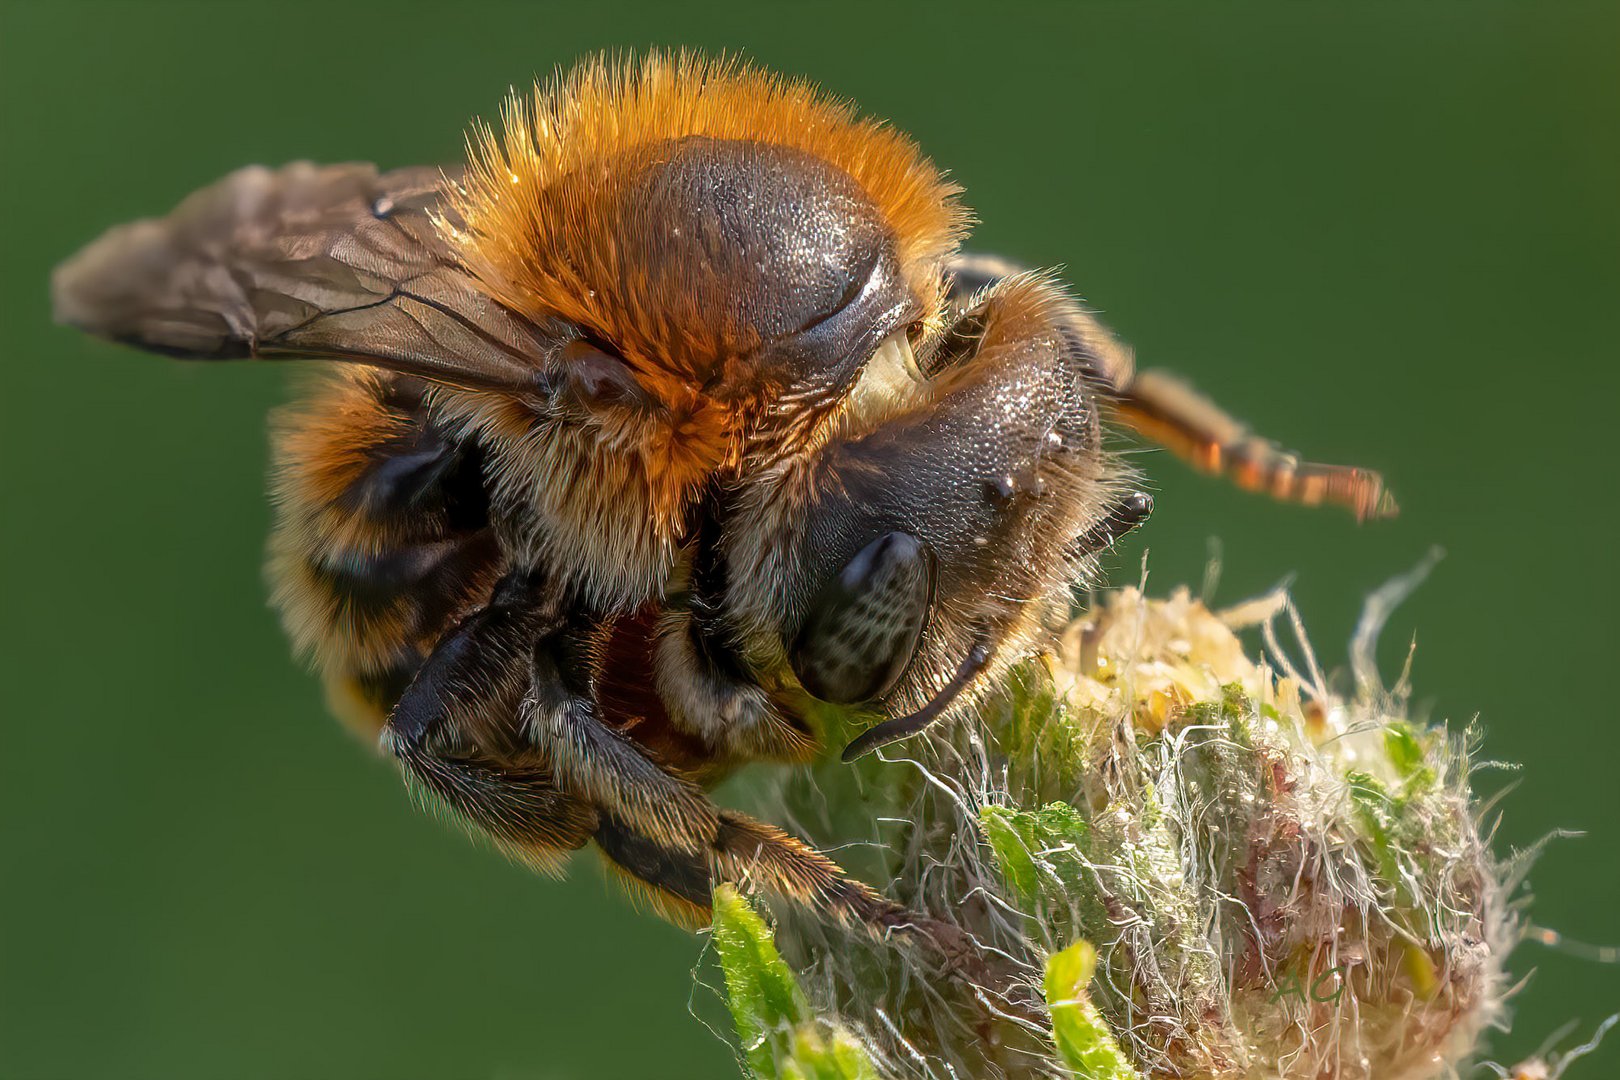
column 920, row 552
column 704, row 680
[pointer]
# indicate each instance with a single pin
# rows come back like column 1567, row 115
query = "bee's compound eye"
column 865, row 623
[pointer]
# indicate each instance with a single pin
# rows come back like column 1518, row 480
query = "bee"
column 675, row 412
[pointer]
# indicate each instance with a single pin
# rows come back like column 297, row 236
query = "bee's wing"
column 334, row 261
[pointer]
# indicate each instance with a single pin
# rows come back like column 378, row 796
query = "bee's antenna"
column 1552, row 939
column 978, row 658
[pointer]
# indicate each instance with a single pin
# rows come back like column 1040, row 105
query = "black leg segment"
column 454, row 732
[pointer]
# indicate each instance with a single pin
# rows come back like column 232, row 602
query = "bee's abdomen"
column 381, row 538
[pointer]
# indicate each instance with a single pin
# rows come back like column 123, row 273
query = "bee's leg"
column 562, row 718
column 704, row 681
column 462, row 734
column 455, row 733
column 710, row 694
column 761, row 858
column 751, row 855
column 662, row 833
column 1170, row 412
column 381, row 536
column 499, row 725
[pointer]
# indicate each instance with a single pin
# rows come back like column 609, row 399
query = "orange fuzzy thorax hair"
column 540, row 200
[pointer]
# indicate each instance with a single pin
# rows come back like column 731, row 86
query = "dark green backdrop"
column 1390, row 234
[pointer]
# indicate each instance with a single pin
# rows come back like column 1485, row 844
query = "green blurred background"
column 1388, row 234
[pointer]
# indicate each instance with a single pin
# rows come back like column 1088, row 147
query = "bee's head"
column 724, row 246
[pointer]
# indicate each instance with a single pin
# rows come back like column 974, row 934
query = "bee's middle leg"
column 562, row 718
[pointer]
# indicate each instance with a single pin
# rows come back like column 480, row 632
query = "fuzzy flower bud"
column 1196, row 863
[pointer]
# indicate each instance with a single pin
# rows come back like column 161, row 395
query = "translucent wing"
column 334, row 261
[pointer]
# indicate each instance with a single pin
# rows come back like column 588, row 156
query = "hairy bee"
column 672, row 413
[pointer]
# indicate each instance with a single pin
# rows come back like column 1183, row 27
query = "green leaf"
column 781, row 1038
column 1082, row 1036
column 1021, row 841
column 1011, row 834
column 1406, row 754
